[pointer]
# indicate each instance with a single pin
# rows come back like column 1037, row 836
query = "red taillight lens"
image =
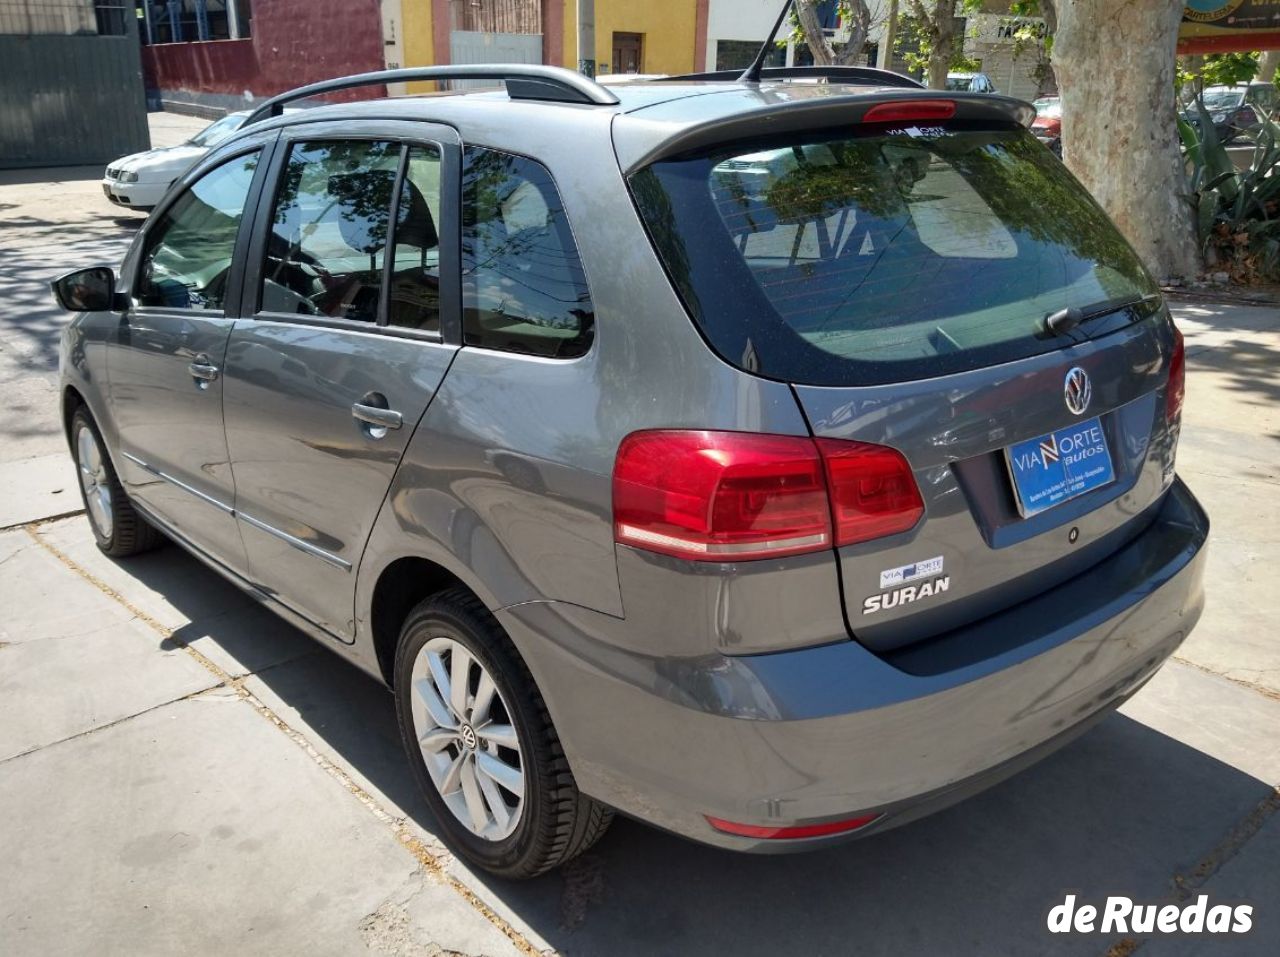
column 1176, row 390
column 767, row 832
column 910, row 110
column 873, row 492
column 720, row 496
column 734, row 496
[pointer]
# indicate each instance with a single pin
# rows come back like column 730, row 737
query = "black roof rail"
column 863, row 74
column 524, row 81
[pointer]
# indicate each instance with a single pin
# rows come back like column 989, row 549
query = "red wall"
column 294, row 42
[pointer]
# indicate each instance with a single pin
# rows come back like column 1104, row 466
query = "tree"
column 935, row 27
column 855, row 13
column 1115, row 65
column 1268, row 64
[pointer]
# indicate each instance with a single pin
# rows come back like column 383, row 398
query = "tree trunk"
column 820, row 46
column 1267, row 65
column 1115, row 68
column 942, row 35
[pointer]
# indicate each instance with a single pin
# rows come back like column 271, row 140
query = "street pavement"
column 182, row 772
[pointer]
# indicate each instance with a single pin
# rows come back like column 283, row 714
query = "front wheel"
column 482, row 745
column 117, row 527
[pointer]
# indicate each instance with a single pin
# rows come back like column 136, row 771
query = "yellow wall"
column 417, row 42
column 668, row 28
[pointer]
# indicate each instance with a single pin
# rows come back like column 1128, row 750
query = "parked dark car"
column 770, row 461
column 1235, row 111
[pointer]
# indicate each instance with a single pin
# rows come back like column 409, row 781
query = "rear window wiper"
column 1064, row 320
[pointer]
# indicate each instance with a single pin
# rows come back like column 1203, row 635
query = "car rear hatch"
column 929, row 278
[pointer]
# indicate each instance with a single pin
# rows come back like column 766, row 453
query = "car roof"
column 650, row 116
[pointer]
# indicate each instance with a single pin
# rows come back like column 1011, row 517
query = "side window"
column 414, row 290
column 188, row 252
column 329, row 230
column 523, row 286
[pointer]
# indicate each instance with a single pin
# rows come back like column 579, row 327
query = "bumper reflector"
column 769, row 832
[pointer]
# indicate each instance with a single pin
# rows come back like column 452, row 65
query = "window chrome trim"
column 297, row 543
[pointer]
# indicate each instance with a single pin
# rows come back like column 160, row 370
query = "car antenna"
column 752, row 73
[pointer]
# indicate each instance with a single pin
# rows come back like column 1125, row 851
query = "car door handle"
column 201, row 368
column 379, row 418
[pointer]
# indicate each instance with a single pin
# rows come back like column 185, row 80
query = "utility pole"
column 587, row 37
column 884, row 55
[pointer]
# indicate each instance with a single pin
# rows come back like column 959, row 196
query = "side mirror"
column 86, row 290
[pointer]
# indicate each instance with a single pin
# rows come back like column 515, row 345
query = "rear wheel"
column 481, row 743
column 117, row 527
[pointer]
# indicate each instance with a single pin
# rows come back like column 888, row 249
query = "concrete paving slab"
column 71, row 673
column 182, row 595
column 198, row 828
column 42, row 598
column 38, row 488
column 1251, row 876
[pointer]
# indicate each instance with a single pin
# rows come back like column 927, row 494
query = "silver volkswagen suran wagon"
column 771, row 460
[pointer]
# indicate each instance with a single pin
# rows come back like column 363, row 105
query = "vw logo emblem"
column 468, row 735
column 1077, row 390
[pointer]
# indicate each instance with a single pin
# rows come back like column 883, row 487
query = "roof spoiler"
column 524, row 81
column 856, row 74
column 640, row 140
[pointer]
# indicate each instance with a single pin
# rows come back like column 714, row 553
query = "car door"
column 341, row 347
column 165, row 360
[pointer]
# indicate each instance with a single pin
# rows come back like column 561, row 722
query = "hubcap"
column 93, row 481
column 468, row 741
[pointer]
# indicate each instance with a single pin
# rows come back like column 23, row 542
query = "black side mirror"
column 86, row 290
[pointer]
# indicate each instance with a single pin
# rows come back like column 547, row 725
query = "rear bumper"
column 834, row 732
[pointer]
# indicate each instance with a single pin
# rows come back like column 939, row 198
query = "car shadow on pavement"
column 1123, row 810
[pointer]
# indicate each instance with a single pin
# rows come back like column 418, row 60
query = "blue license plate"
column 1059, row 466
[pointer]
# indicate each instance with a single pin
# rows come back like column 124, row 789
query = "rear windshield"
column 884, row 255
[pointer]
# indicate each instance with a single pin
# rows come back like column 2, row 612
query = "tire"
column 117, row 527
column 550, row 822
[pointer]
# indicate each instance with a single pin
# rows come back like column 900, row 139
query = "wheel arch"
column 400, row 586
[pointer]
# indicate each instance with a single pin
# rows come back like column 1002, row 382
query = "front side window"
column 329, row 230
column 188, row 252
column 523, row 285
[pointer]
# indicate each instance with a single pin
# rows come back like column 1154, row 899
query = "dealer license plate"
column 1060, row 466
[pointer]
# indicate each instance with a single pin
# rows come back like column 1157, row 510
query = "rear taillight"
column 873, row 493
column 910, row 110
column 735, row 496
column 1176, row 390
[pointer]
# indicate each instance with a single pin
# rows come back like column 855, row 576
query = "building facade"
column 632, row 36
column 210, row 56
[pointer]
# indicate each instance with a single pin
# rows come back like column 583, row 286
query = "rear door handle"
column 378, row 418
column 204, row 370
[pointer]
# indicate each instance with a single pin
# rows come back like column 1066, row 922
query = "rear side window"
column 523, row 286
column 884, row 255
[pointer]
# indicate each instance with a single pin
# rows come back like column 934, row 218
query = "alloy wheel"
column 94, row 481
column 468, row 741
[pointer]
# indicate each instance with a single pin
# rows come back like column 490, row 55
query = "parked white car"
column 970, row 83
column 139, row 180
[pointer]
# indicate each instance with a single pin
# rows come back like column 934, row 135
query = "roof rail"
column 524, row 81
column 865, row 74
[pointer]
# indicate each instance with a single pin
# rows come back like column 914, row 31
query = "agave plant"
column 1236, row 211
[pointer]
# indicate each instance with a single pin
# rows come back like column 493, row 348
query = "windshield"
column 215, row 133
column 897, row 254
column 1222, row 99
column 959, row 83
